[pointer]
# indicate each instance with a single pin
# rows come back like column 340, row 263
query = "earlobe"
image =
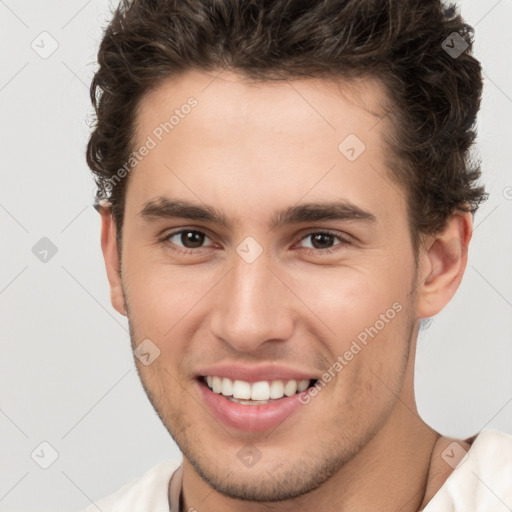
column 443, row 261
column 111, row 257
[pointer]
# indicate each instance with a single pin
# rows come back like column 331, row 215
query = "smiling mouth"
column 255, row 393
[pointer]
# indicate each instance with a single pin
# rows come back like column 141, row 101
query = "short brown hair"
column 434, row 94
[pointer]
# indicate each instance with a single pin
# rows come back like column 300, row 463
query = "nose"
column 252, row 306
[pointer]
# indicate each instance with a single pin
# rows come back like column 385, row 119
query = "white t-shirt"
column 481, row 482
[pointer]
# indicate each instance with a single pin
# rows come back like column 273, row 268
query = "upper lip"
column 255, row 373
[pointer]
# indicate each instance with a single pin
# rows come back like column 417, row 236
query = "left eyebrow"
column 166, row 208
column 315, row 212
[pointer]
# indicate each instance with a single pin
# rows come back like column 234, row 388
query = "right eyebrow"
column 164, row 208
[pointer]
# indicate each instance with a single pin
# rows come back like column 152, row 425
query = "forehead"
column 226, row 98
column 216, row 135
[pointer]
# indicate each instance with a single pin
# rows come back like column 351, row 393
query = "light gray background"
column 67, row 374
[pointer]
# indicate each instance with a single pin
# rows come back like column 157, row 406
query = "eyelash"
column 165, row 240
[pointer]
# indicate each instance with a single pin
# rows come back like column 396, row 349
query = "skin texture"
column 249, row 150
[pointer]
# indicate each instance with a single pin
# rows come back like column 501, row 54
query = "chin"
column 265, row 481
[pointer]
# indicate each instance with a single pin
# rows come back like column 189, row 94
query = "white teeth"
column 217, row 384
column 261, row 391
column 248, row 402
column 290, row 388
column 241, row 389
column 227, row 387
column 277, row 389
column 302, row 385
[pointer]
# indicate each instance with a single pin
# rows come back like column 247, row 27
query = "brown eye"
column 192, row 239
column 187, row 238
column 321, row 240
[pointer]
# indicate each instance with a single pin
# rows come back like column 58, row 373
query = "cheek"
column 367, row 323
column 160, row 295
column 351, row 299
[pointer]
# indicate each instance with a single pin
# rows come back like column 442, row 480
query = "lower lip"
column 251, row 418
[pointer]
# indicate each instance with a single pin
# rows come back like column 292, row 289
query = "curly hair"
column 434, row 94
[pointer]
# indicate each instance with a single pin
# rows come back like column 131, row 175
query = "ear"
column 442, row 262
column 111, row 257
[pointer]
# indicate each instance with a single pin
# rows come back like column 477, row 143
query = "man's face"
column 268, row 297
